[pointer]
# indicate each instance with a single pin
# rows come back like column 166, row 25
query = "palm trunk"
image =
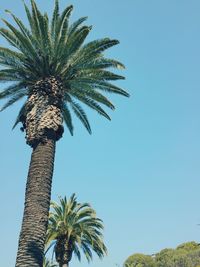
column 37, row 202
column 63, row 251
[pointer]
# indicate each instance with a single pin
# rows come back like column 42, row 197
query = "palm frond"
column 92, row 104
column 21, row 26
column 55, row 18
column 86, row 250
column 67, row 118
column 80, row 113
column 35, row 20
column 98, row 63
column 21, row 113
column 13, row 56
column 61, row 30
column 12, row 90
column 29, row 16
column 88, row 91
column 14, row 99
column 97, row 74
column 102, row 85
column 10, row 38
column 62, row 24
column 97, row 46
column 72, row 45
column 24, row 43
column 77, row 252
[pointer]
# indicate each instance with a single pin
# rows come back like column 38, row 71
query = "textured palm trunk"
column 63, row 251
column 37, row 202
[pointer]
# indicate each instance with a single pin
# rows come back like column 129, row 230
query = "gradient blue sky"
column 141, row 170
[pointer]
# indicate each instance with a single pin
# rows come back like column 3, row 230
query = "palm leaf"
column 21, row 113
column 55, row 18
column 98, row 63
column 14, row 99
column 87, row 251
column 11, row 90
column 75, row 25
column 25, row 44
column 89, row 92
column 77, row 252
column 105, row 86
column 72, row 45
column 98, row 46
column 11, row 39
column 67, row 118
column 35, row 20
column 60, row 34
column 29, row 16
column 92, row 104
column 80, row 113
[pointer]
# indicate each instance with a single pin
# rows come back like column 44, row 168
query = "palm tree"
column 74, row 227
column 48, row 263
column 52, row 67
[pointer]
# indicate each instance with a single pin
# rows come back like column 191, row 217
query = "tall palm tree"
column 52, row 67
column 74, row 227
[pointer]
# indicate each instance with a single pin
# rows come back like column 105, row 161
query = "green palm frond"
column 98, row 63
column 71, row 46
column 101, row 75
column 24, row 43
column 56, row 48
column 14, row 99
column 22, row 113
column 96, row 84
column 80, row 113
column 67, row 118
column 55, row 18
column 77, row 252
column 87, row 91
column 78, row 222
column 12, row 56
column 92, row 104
column 75, row 25
column 60, row 34
column 87, row 251
column 98, row 46
column 12, row 90
column 23, row 29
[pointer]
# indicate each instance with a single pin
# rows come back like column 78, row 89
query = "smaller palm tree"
column 48, row 263
column 74, row 227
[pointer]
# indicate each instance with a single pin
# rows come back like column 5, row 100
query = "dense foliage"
column 185, row 255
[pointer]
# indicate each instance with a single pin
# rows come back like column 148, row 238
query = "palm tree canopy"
column 55, row 49
column 79, row 225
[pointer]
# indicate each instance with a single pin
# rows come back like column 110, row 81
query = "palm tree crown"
column 74, row 227
column 51, row 65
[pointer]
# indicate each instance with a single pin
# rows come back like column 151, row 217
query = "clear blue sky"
column 141, row 171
